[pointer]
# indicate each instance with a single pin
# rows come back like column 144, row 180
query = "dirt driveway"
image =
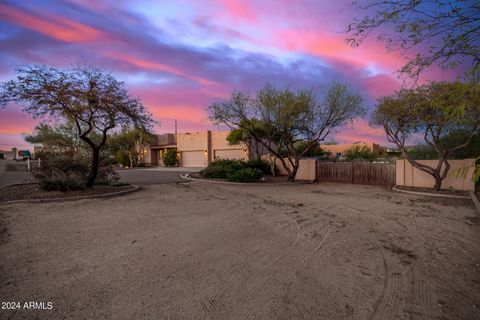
column 151, row 176
column 205, row 251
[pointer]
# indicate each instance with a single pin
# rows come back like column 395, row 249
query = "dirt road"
column 206, row 251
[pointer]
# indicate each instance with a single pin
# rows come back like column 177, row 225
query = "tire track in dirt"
column 278, row 256
column 387, row 305
column 237, row 272
column 406, row 287
column 267, row 283
column 420, row 294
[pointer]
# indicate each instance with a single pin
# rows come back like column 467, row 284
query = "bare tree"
column 93, row 100
column 288, row 118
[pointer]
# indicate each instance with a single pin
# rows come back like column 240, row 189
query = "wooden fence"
column 357, row 172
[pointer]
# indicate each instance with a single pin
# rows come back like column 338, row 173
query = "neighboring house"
column 8, row 155
column 337, row 151
column 195, row 149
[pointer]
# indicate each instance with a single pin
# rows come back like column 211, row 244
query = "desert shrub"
column 170, row 158
column 219, row 168
column 63, row 172
column 244, row 175
column 61, row 181
column 360, row 153
column 106, row 175
column 122, row 158
column 260, row 164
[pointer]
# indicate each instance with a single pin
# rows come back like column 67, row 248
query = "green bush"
column 219, row 168
column 122, row 158
column 237, row 170
column 170, row 158
column 244, row 175
column 262, row 165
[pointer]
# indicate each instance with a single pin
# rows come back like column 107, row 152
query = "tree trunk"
column 438, row 183
column 273, row 163
column 292, row 175
column 92, row 175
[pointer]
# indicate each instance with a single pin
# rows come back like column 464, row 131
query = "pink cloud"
column 239, row 10
column 13, row 121
column 360, row 131
column 155, row 66
column 333, row 46
column 381, row 85
column 51, row 25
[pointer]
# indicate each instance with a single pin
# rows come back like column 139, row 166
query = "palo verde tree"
column 94, row 101
column 441, row 32
column 433, row 112
column 249, row 141
column 62, row 137
column 132, row 143
column 288, row 117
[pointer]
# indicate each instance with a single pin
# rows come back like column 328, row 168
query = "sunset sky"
column 179, row 56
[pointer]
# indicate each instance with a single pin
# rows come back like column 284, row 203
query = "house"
column 7, row 155
column 161, row 142
column 195, row 149
column 337, row 151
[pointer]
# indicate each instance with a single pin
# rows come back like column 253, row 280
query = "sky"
column 180, row 56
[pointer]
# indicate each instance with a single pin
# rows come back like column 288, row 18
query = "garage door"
column 229, row 154
column 193, row 159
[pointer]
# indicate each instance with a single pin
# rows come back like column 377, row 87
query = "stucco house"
column 195, row 149
column 337, row 151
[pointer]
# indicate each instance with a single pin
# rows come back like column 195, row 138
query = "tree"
column 170, row 158
column 132, row 143
column 423, row 152
column 288, row 118
column 442, row 32
column 62, row 138
column 360, row 152
column 433, row 111
column 300, row 146
column 242, row 136
column 94, row 101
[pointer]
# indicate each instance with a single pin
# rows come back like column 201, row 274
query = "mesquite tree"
column 433, row 112
column 94, row 101
column 288, row 118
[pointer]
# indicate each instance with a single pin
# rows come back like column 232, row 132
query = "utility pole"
column 175, row 127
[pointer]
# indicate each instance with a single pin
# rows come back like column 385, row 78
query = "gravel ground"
column 206, row 251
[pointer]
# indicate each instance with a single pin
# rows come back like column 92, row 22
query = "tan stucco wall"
column 148, row 157
column 209, row 141
column 307, row 170
column 193, row 141
column 407, row 175
column 219, row 142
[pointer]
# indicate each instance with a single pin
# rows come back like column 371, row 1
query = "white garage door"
column 229, row 154
column 193, row 159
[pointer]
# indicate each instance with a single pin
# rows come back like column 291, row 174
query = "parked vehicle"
column 23, row 155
